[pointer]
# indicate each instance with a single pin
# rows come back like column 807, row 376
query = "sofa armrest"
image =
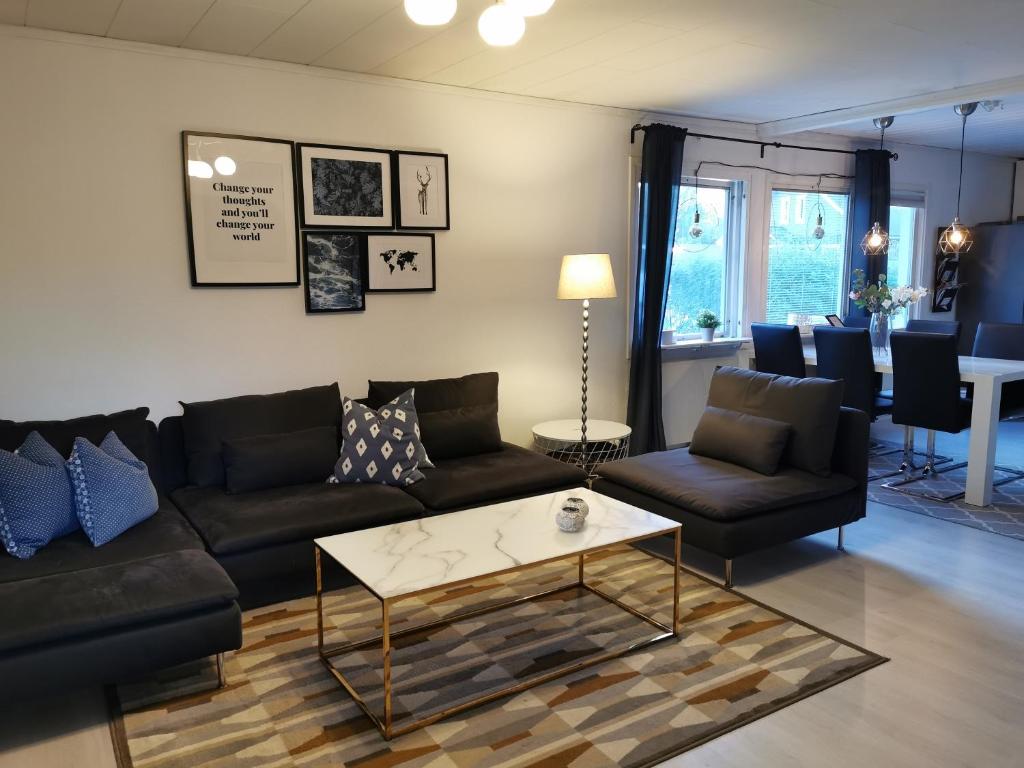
column 850, row 454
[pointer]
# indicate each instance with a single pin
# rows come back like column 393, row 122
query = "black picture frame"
column 408, row 219
column 354, row 242
column 376, row 279
column 311, row 220
column 194, row 278
column 835, row 321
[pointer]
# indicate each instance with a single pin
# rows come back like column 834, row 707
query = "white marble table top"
column 570, row 430
column 405, row 558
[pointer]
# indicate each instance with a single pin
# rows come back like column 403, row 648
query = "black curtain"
column 870, row 204
column 660, row 177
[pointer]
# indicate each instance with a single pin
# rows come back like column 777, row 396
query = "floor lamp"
column 586, row 276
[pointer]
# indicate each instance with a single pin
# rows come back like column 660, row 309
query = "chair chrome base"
column 927, row 470
column 728, row 573
column 909, row 454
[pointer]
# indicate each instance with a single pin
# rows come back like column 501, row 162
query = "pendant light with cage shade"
column 957, row 238
column 817, row 234
column 876, row 240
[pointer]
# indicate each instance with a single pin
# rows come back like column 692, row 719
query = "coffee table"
column 400, row 561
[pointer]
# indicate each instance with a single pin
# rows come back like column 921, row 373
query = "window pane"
column 805, row 275
column 698, row 264
column 902, row 227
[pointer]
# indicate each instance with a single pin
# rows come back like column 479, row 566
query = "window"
column 706, row 269
column 806, row 274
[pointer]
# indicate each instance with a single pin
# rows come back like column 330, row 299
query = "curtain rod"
column 755, row 142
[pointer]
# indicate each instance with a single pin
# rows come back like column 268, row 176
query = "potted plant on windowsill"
column 707, row 321
column 883, row 303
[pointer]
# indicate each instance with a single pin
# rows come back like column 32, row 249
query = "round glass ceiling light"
column 501, row 26
column 200, row 169
column 430, row 13
column 530, row 7
column 225, row 166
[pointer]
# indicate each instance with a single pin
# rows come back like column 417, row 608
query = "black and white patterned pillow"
column 379, row 446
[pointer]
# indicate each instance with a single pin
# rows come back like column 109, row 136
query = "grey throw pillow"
column 747, row 441
column 810, row 407
column 379, row 446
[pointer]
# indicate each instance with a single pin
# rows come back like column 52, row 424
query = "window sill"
column 694, row 349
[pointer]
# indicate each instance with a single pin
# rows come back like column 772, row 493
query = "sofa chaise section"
column 152, row 598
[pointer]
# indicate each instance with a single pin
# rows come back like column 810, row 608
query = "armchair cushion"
column 749, row 441
column 810, row 406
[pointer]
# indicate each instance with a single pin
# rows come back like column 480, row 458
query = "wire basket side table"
column 562, row 440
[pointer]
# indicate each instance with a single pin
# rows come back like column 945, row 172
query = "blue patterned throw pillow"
column 36, row 503
column 379, row 446
column 113, row 491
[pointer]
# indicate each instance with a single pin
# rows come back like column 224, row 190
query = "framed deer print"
column 421, row 179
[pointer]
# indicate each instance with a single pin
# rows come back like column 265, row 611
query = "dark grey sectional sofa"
column 153, row 597
column 171, row 589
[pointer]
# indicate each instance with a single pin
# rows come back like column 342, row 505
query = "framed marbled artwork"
column 333, row 267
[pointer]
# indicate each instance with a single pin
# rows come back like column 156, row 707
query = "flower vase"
column 880, row 332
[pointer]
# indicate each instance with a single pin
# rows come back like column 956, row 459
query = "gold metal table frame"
column 385, row 723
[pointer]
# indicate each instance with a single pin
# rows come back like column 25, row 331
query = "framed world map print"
column 240, row 210
column 345, row 187
column 400, row 263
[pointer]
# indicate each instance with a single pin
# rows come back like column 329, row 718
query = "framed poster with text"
column 240, row 210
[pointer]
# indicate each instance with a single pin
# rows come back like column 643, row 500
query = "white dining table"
column 988, row 376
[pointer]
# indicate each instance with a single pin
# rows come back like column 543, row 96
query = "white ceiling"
column 748, row 60
column 999, row 132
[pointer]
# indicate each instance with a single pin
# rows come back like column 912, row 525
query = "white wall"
column 96, row 311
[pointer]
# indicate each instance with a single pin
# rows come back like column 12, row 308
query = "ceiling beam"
column 993, row 89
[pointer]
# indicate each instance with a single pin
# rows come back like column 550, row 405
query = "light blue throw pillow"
column 113, row 491
column 36, row 501
column 379, row 446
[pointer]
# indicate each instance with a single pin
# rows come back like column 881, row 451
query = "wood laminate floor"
column 944, row 601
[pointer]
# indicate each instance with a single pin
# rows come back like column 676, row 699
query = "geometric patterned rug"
column 737, row 661
column 1005, row 516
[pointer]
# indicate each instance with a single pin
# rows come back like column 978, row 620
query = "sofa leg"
column 839, row 544
column 221, row 681
column 728, row 572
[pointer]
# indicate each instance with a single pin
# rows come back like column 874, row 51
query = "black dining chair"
column 928, row 326
column 935, row 326
column 857, row 321
column 778, row 349
column 1003, row 341
column 926, row 394
column 845, row 353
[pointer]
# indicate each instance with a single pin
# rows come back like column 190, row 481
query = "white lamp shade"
column 530, row 7
column 430, row 13
column 586, row 276
column 501, row 26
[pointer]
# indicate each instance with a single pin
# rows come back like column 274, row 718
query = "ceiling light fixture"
column 957, row 238
column 500, row 25
column 430, row 13
column 530, row 7
column 876, row 240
